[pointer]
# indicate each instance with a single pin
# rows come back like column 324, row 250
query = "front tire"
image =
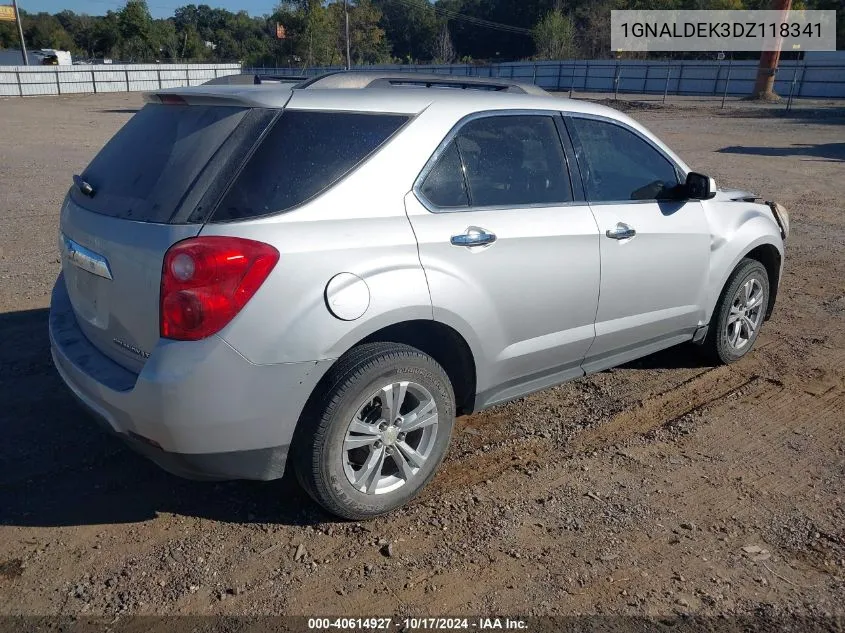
column 739, row 314
column 375, row 434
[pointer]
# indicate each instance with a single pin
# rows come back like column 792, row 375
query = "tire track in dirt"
column 757, row 469
column 637, row 419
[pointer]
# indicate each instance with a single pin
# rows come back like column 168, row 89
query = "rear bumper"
column 261, row 464
column 198, row 409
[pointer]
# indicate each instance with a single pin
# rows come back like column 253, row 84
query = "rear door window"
column 514, row 161
column 505, row 161
column 145, row 171
column 304, row 154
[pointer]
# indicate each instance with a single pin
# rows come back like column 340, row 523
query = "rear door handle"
column 621, row 232
column 473, row 236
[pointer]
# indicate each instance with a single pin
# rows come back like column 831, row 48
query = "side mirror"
column 700, row 187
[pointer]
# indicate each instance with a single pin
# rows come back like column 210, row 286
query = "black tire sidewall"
column 330, row 486
column 746, row 270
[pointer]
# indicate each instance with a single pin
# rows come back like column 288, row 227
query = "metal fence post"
column 572, row 81
column 94, row 81
column 666, row 88
column 158, row 76
column 727, row 81
column 126, row 75
column 534, row 79
column 801, row 81
column 58, row 85
column 645, row 79
column 616, row 82
column 792, row 86
column 18, row 79
column 718, row 77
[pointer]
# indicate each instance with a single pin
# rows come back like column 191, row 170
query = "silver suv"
column 327, row 274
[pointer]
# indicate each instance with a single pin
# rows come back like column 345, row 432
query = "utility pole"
column 20, row 33
column 348, row 49
column 765, row 84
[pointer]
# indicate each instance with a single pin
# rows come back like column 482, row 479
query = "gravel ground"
column 663, row 487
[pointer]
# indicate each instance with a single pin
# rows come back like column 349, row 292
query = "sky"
column 159, row 8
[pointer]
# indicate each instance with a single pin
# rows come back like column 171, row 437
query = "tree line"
column 312, row 32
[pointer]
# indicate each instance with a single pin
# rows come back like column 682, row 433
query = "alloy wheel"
column 746, row 314
column 390, row 438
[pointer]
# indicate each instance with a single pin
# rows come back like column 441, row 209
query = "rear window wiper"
column 83, row 186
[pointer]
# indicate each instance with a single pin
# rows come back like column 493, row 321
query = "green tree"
column 165, row 40
column 554, row 36
column 43, row 30
column 321, row 41
column 411, row 29
column 136, row 32
column 369, row 44
column 81, row 30
column 8, row 35
column 106, row 35
column 443, row 51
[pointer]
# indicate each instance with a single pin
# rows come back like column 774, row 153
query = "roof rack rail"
column 280, row 79
column 376, row 79
column 254, row 78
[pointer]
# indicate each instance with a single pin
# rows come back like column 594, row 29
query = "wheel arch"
column 445, row 345
column 765, row 250
column 770, row 257
column 440, row 341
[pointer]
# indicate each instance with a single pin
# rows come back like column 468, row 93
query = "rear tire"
column 376, row 432
column 739, row 314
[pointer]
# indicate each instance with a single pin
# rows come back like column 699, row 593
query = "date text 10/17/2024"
column 418, row 624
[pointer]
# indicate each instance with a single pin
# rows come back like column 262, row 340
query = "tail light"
column 206, row 281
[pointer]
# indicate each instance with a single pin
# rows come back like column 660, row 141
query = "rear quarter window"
column 301, row 156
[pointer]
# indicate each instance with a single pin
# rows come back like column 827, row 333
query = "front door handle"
column 621, row 232
column 473, row 236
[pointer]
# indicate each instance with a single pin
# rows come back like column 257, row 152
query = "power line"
column 468, row 19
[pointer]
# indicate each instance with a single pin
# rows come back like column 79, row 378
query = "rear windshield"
column 304, row 154
column 145, row 170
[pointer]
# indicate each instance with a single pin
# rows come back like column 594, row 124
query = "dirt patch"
column 11, row 568
column 633, row 105
column 663, row 487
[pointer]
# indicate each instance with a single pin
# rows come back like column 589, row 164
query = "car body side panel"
column 530, row 297
column 288, row 320
column 358, row 226
column 653, row 286
column 736, row 228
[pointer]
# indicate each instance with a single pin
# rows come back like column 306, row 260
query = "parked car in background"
column 327, row 274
